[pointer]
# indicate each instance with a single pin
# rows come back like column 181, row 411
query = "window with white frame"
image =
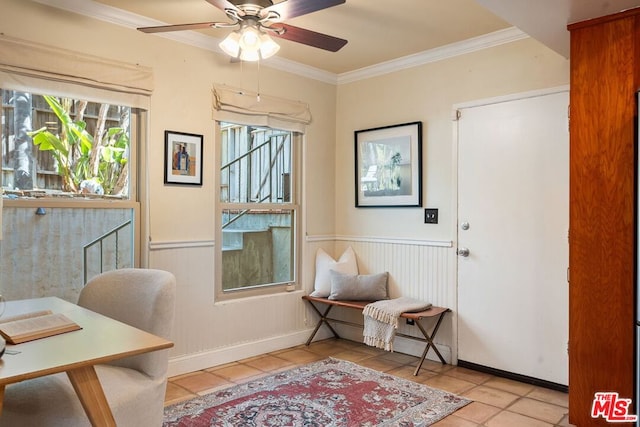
column 55, row 146
column 258, row 211
column 69, row 181
column 72, row 127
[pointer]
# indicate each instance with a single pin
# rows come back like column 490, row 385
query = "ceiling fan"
column 257, row 19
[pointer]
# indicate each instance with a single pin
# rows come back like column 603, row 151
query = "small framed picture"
column 388, row 169
column 182, row 158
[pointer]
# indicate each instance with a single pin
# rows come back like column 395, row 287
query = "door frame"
column 455, row 115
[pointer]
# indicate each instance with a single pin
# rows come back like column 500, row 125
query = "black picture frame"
column 182, row 169
column 388, row 166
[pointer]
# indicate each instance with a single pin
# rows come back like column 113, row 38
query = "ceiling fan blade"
column 222, row 4
column 292, row 8
column 179, row 27
column 308, row 37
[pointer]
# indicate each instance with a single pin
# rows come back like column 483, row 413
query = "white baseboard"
column 207, row 359
column 219, row 356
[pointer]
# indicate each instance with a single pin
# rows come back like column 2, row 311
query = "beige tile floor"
column 497, row 402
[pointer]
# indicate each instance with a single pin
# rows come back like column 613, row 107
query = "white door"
column 513, row 217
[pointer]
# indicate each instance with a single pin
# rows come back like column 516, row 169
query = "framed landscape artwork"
column 182, row 158
column 388, row 166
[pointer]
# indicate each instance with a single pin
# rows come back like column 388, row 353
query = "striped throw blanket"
column 381, row 319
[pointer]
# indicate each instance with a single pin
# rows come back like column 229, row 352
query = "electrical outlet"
column 431, row 216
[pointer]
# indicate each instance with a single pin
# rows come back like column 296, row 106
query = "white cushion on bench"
column 347, row 264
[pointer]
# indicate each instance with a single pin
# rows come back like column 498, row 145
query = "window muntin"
column 258, row 212
column 53, row 146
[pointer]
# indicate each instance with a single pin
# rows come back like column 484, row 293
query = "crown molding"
column 131, row 20
column 485, row 41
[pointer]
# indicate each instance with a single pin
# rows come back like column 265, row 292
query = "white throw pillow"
column 347, row 264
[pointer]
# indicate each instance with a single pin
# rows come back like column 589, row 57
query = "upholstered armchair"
column 135, row 386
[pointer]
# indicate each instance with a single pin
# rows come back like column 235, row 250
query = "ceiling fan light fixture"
column 249, row 44
column 268, row 47
column 231, row 44
column 250, row 38
column 249, row 55
column 255, row 18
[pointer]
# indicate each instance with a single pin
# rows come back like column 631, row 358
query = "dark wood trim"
column 512, row 376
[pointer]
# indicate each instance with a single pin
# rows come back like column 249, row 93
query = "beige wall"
column 181, row 101
column 421, row 258
column 181, row 218
column 181, row 225
column 428, row 94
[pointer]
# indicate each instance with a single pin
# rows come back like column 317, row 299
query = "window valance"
column 29, row 66
column 250, row 108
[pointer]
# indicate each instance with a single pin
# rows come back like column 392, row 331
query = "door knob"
column 463, row 252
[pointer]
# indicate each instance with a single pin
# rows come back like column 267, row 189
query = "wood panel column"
column 603, row 110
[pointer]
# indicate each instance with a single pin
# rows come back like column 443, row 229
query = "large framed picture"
column 182, row 158
column 388, row 169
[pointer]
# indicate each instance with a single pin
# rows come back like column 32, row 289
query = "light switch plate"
column 430, row 216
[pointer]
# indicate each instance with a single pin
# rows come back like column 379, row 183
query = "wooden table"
column 100, row 340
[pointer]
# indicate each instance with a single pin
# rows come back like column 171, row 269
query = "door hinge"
column 456, row 115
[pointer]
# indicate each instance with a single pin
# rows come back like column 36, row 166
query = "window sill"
column 70, row 202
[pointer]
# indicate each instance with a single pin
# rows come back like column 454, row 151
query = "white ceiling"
column 547, row 20
column 378, row 31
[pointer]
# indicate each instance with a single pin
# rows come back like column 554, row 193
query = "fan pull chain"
column 259, row 61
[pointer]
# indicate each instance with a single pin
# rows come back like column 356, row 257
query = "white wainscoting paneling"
column 419, row 269
column 208, row 333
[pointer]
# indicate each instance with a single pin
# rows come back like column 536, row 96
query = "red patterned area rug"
column 331, row 392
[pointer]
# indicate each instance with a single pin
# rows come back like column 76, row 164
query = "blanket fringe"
column 383, row 316
column 381, row 320
column 378, row 343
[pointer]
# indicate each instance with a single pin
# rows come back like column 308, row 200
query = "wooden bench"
column 415, row 317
